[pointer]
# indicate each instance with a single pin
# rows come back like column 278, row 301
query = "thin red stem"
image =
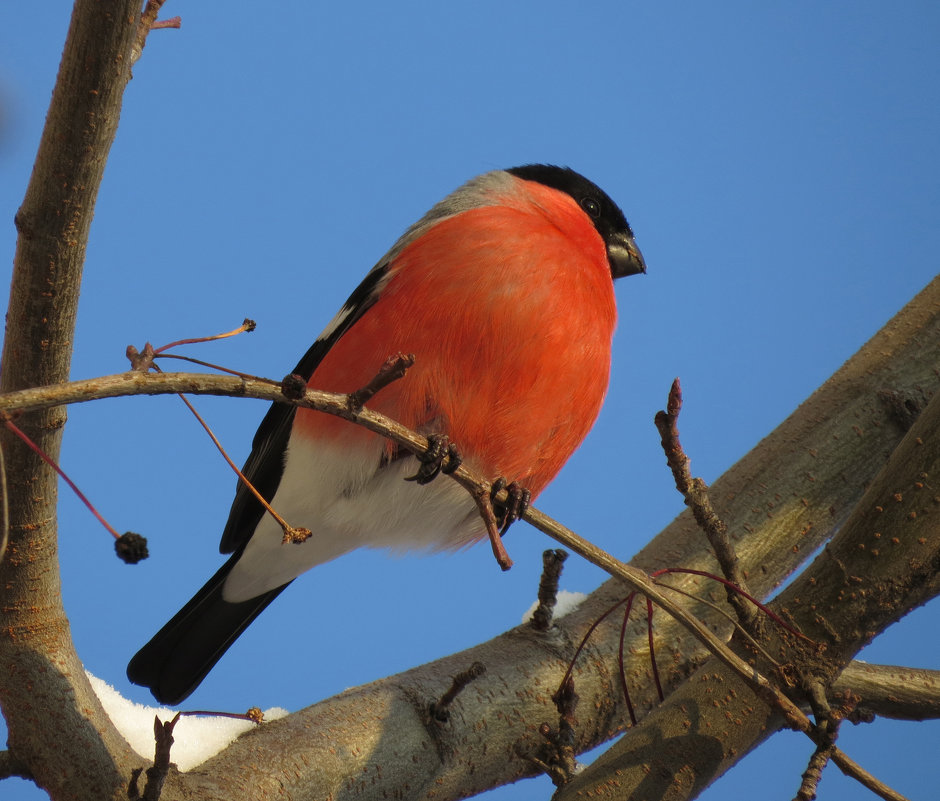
column 212, row 366
column 623, row 672
column 730, row 584
column 248, row 325
column 649, row 632
column 38, row 451
column 584, row 640
column 283, row 523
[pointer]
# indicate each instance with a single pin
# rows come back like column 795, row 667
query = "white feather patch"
column 348, row 501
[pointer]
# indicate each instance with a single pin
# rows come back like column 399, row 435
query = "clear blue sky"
column 779, row 162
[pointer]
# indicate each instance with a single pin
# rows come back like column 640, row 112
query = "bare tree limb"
column 890, row 691
column 45, row 689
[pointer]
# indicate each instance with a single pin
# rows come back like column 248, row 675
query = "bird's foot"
column 509, row 511
column 441, row 456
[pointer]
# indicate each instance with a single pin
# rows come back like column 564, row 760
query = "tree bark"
column 44, row 688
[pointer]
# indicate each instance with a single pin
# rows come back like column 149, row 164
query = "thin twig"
column 481, row 496
column 587, row 636
column 813, row 773
column 292, row 534
column 855, row 771
column 144, row 361
column 148, row 20
column 734, row 588
column 253, row 715
column 726, row 615
column 392, row 370
column 695, row 493
column 211, row 366
column 652, row 647
column 246, row 327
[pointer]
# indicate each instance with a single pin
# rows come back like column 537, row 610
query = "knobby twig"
column 813, row 773
column 553, row 561
column 559, row 758
column 695, row 493
column 148, row 22
column 392, row 370
column 827, row 730
column 439, row 710
column 156, row 773
column 482, row 496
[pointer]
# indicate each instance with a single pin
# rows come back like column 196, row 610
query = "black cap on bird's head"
column 622, row 252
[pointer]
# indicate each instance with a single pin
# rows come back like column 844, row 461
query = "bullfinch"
column 503, row 292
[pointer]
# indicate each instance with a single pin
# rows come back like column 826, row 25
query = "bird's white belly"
column 348, row 501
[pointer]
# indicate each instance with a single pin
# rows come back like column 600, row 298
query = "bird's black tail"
column 180, row 655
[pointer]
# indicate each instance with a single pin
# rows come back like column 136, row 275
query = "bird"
column 503, row 292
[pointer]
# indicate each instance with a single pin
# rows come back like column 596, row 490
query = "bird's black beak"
column 624, row 256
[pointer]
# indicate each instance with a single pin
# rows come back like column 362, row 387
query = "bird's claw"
column 509, row 511
column 441, row 456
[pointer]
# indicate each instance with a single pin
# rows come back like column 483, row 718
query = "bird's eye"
column 591, row 206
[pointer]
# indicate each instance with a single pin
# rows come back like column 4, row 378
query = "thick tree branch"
column 890, row 691
column 878, row 567
column 11, row 766
column 56, row 725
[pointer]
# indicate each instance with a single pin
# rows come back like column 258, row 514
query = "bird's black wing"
column 265, row 464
